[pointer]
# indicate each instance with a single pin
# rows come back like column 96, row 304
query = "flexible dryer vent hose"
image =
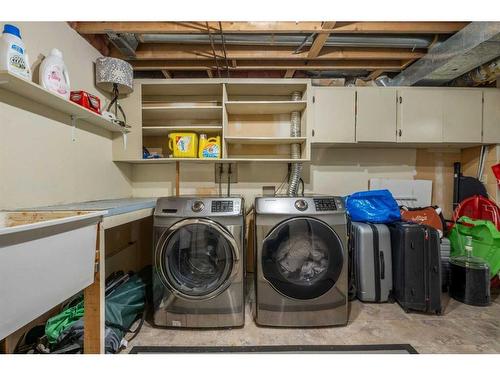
column 293, row 182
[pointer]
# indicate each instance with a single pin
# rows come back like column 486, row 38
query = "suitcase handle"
column 382, row 266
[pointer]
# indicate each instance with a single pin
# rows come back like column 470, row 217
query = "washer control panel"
column 223, row 206
column 325, row 204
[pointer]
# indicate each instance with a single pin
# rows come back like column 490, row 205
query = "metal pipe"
column 339, row 40
column 293, row 182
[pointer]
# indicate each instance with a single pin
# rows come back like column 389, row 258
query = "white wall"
column 332, row 171
column 39, row 163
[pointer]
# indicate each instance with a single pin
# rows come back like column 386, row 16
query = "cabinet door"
column 462, row 115
column 420, row 115
column 376, row 115
column 491, row 116
column 334, row 115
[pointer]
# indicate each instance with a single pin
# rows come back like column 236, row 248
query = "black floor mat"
column 276, row 349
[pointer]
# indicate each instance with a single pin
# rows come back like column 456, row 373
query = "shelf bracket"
column 74, row 119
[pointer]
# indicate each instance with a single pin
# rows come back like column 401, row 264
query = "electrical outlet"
column 224, row 174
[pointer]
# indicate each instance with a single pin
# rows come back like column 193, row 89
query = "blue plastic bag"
column 374, row 206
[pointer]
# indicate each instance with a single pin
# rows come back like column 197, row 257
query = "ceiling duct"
column 127, row 43
column 474, row 45
column 344, row 40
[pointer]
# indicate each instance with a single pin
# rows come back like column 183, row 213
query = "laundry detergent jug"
column 13, row 56
column 183, row 145
column 54, row 74
column 209, row 148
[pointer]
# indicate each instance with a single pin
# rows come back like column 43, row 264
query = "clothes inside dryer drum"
column 303, row 256
column 197, row 259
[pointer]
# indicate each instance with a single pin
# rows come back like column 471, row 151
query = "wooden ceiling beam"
column 319, row 40
column 176, row 65
column 375, row 74
column 269, row 27
column 154, row 51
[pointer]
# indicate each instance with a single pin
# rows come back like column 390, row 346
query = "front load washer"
column 198, row 276
column 302, row 262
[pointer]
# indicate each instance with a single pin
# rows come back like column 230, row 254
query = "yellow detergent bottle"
column 209, row 147
column 183, row 145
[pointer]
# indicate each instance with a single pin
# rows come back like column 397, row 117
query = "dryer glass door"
column 196, row 258
column 302, row 257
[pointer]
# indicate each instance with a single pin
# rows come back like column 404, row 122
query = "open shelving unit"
column 252, row 118
column 38, row 94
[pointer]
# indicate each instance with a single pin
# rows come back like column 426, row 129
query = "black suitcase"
column 416, row 267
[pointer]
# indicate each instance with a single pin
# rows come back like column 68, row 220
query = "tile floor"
column 461, row 329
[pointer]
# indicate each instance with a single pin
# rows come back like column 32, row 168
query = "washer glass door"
column 302, row 257
column 196, row 259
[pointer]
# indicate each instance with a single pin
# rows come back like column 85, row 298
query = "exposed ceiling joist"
column 475, row 44
column 386, row 65
column 156, row 51
column 375, row 74
column 269, row 27
column 316, row 46
column 319, row 41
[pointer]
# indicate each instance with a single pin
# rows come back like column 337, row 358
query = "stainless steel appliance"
column 302, row 261
column 198, row 262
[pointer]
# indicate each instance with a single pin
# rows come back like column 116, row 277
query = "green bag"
column 63, row 320
column 485, row 241
column 125, row 304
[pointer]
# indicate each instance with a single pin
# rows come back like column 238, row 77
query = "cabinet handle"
column 400, row 100
column 313, row 132
column 400, row 132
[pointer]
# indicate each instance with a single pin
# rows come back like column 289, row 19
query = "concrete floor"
column 461, row 329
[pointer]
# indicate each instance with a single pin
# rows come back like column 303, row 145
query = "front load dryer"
column 198, row 276
column 302, row 262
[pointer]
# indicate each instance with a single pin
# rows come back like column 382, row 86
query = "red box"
column 86, row 100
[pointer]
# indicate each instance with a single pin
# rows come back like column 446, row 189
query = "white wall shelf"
column 38, row 94
column 162, row 112
column 165, row 130
column 198, row 160
column 265, row 140
column 268, row 107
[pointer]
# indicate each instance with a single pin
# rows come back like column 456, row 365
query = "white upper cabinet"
column 376, row 114
column 334, row 115
column 491, row 116
column 420, row 115
column 462, row 115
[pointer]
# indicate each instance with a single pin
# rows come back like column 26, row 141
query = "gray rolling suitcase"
column 371, row 247
column 445, row 250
